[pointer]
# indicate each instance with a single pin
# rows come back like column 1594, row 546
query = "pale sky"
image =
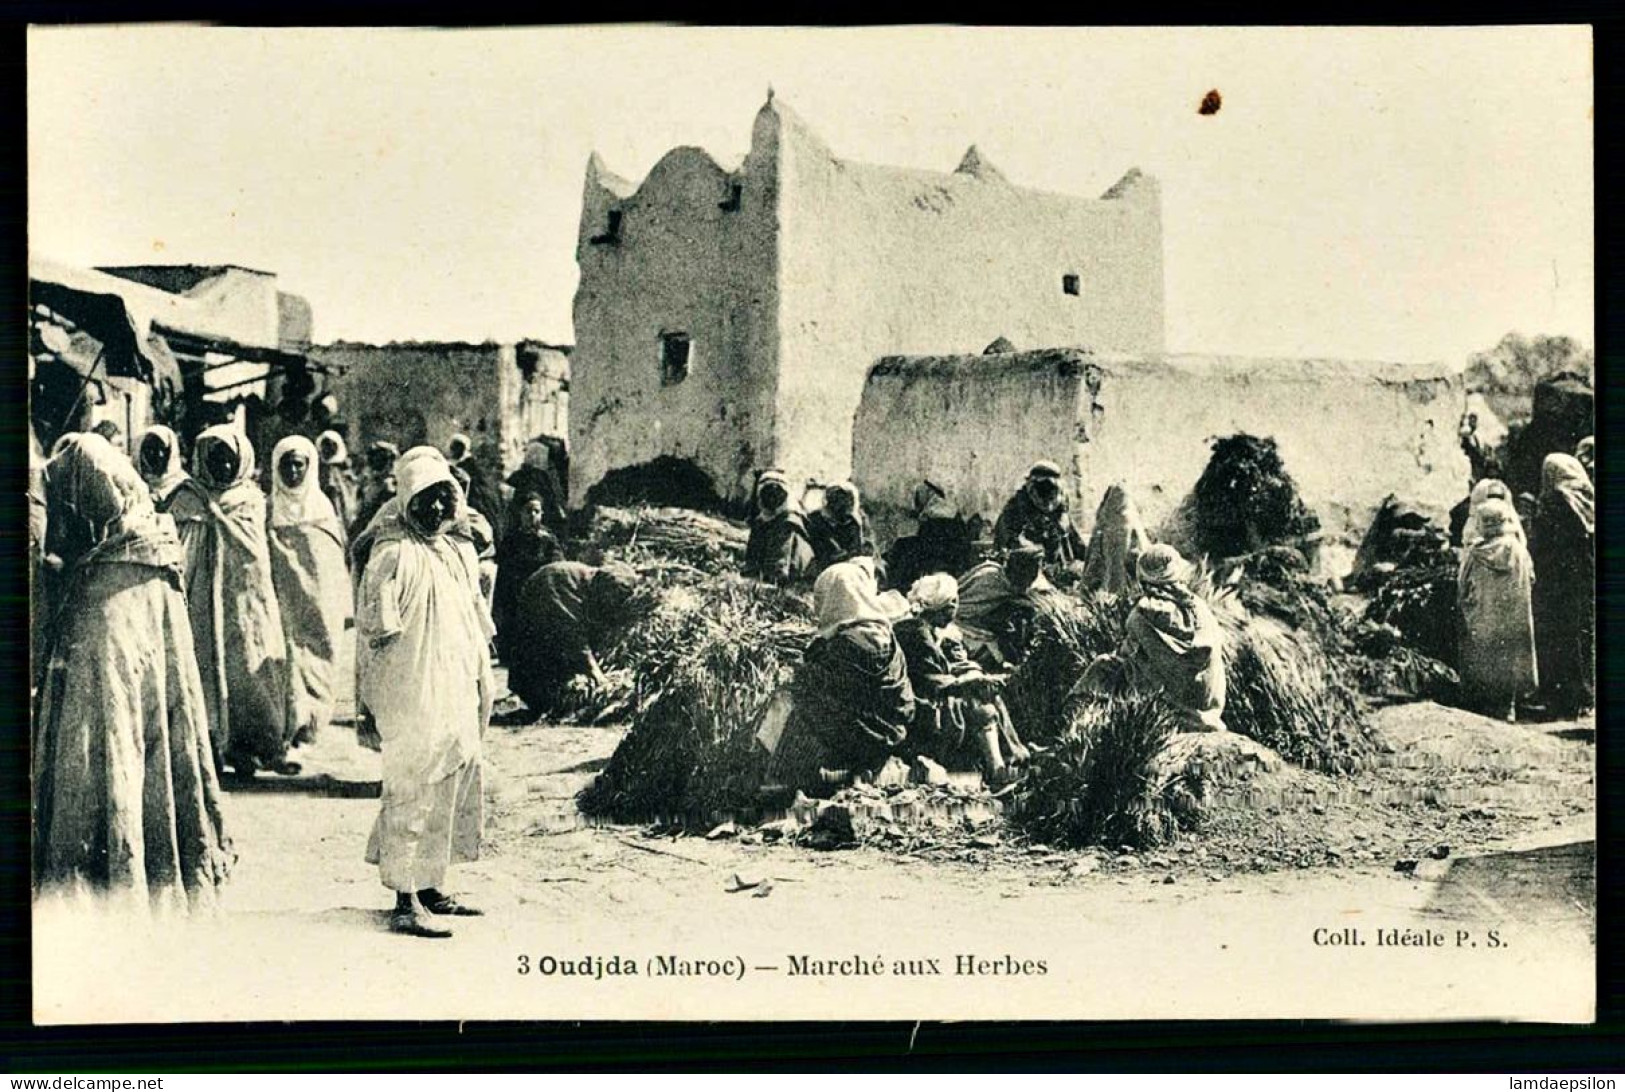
column 1387, row 194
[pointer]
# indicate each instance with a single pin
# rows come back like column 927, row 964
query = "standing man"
column 425, row 666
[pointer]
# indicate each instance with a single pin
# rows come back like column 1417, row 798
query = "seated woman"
column 525, row 547
column 959, row 718
column 566, row 613
column 943, row 542
column 852, row 701
column 838, row 531
column 1173, row 644
column 778, row 550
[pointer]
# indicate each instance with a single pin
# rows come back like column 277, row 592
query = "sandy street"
column 1503, row 928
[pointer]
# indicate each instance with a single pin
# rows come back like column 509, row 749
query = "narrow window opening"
column 676, row 354
column 1069, row 283
column 735, row 192
column 529, row 360
column 612, row 233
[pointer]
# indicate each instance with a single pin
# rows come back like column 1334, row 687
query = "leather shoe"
column 448, row 906
column 412, row 924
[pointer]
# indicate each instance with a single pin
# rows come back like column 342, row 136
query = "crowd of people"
column 189, row 613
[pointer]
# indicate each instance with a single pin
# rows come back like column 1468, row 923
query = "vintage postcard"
column 913, row 523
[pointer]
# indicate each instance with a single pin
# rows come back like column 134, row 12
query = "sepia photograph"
column 873, row 523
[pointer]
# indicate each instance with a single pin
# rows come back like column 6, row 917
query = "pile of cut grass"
column 1098, row 783
column 707, row 659
column 1286, row 689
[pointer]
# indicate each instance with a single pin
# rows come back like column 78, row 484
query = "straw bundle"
column 643, row 535
column 1286, row 689
column 1099, row 783
column 711, row 657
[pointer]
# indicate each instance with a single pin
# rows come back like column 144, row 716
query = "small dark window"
column 735, row 192
column 612, row 233
column 1069, row 283
column 529, row 359
column 676, row 353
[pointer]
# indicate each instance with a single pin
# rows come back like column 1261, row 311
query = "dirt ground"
column 1492, row 827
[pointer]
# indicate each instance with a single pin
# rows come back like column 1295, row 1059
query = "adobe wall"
column 880, row 260
column 683, row 263
column 1349, row 432
column 413, row 393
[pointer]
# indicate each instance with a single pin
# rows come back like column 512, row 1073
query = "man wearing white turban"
column 425, row 667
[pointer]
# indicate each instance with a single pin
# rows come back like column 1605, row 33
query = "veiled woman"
column 778, row 550
column 423, row 650
column 158, row 458
column 1563, row 548
column 1493, row 590
column 311, row 580
column 852, row 699
column 839, row 531
column 1173, row 644
column 1115, row 544
column 242, row 650
column 126, row 801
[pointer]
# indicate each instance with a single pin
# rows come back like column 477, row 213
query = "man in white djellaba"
column 425, row 666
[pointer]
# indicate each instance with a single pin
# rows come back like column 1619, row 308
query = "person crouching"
column 425, row 669
column 960, row 719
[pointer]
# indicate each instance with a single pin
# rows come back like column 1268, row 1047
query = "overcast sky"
column 1394, row 194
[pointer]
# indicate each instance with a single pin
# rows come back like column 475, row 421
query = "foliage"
column 1245, row 500
column 707, row 658
column 1508, row 373
column 1099, row 785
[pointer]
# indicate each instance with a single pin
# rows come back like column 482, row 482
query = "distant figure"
column 1565, row 602
column 158, row 458
column 242, row 650
column 482, row 488
column 566, row 614
column 125, row 798
column 542, row 476
column 778, row 550
column 852, row 700
column 110, row 432
column 1173, row 643
column 838, row 531
column 377, row 486
column 1493, row 590
column 1036, row 516
column 944, row 542
column 484, row 536
column 959, row 719
column 1115, row 545
column 526, row 547
column 312, row 584
column 1462, row 515
column 996, row 605
column 422, row 646
column 334, row 476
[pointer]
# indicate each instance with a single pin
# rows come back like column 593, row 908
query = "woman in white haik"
column 425, row 665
